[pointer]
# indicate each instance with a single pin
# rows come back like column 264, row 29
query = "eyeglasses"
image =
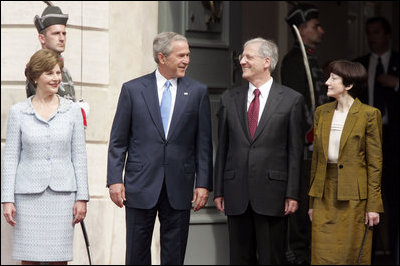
column 248, row 57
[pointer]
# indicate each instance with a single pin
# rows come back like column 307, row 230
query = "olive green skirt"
column 338, row 227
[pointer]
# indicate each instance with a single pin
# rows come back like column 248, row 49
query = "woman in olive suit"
column 345, row 183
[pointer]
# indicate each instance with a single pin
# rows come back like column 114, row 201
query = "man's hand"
column 220, row 204
column 388, row 80
column 291, row 206
column 200, row 197
column 117, row 194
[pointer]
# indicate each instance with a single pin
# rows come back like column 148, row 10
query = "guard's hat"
column 301, row 13
column 51, row 15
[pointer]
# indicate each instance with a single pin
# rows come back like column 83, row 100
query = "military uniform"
column 53, row 15
column 293, row 75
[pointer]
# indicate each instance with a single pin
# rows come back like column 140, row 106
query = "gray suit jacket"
column 40, row 154
column 266, row 170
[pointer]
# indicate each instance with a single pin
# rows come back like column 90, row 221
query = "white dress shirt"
column 160, row 90
column 264, row 92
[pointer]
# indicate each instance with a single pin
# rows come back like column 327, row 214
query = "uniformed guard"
column 52, row 35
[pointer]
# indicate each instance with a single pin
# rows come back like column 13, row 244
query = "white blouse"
column 338, row 121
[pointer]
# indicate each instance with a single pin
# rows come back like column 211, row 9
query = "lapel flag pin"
column 186, row 93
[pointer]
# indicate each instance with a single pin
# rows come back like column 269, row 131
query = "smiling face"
column 54, row 38
column 49, row 81
column 336, row 88
column 175, row 64
column 254, row 66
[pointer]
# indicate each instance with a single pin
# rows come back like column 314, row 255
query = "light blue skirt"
column 44, row 229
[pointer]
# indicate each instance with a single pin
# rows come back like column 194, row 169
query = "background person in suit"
column 163, row 125
column 383, row 93
column 260, row 147
column 345, row 192
column 44, row 186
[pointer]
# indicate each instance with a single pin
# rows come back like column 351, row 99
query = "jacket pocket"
column 277, row 175
column 133, row 166
column 229, row 175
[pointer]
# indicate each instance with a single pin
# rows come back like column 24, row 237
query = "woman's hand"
column 310, row 211
column 9, row 212
column 372, row 218
column 79, row 211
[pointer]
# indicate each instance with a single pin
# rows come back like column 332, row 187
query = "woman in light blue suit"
column 44, row 187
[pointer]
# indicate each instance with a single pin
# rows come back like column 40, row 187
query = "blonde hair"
column 42, row 61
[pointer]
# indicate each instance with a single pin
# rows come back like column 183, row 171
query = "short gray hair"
column 268, row 49
column 162, row 43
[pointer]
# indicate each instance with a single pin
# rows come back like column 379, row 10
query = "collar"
column 309, row 50
column 331, row 107
column 64, row 106
column 384, row 57
column 264, row 89
column 161, row 80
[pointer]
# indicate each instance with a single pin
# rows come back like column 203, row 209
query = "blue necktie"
column 165, row 107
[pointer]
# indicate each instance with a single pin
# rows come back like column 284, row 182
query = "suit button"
column 340, row 166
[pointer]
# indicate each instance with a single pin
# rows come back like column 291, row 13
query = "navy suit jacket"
column 390, row 96
column 138, row 144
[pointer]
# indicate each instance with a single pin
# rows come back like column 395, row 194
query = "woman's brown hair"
column 42, row 61
column 352, row 73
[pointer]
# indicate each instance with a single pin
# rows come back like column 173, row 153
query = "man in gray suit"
column 163, row 125
column 258, row 160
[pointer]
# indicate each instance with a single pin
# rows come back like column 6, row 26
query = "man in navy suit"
column 161, row 136
column 383, row 92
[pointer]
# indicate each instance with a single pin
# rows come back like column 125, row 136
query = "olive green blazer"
column 360, row 154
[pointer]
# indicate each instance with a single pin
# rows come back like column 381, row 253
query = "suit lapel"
column 326, row 121
column 349, row 124
column 241, row 108
column 181, row 100
column 274, row 98
column 150, row 96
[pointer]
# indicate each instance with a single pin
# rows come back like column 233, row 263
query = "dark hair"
column 384, row 22
column 300, row 14
column 352, row 73
column 40, row 62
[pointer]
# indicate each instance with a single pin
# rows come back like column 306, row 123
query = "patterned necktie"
column 165, row 107
column 378, row 88
column 252, row 114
